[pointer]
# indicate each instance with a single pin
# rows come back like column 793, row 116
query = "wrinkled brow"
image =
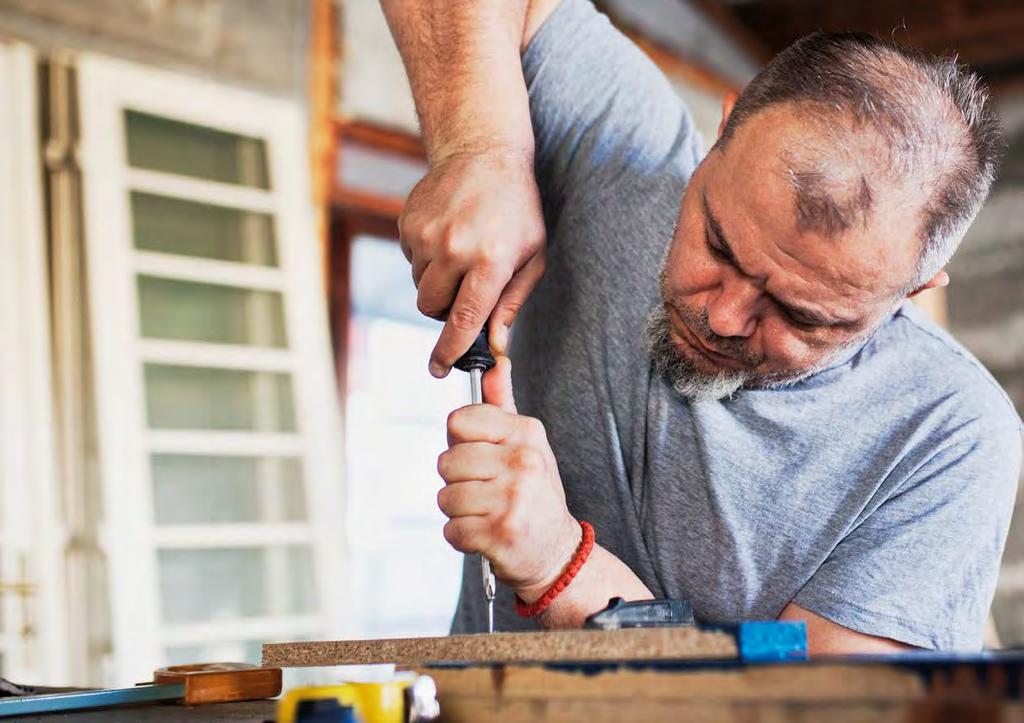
column 818, row 209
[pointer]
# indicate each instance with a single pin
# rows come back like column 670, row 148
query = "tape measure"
column 408, row 698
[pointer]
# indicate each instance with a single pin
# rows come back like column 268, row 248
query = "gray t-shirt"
column 876, row 493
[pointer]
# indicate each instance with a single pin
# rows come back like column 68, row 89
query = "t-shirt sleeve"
column 601, row 110
column 922, row 567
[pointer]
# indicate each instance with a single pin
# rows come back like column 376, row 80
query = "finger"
column 419, row 266
column 468, row 534
column 480, row 423
column 470, row 461
column 497, row 385
column 468, row 499
column 437, row 288
column 476, row 298
column 512, row 299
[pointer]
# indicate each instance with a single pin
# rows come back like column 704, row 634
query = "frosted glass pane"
column 219, row 584
column 237, row 651
column 382, row 172
column 187, row 228
column 180, row 397
column 392, row 403
column 170, row 146
column 206, row 489
column 173, row 309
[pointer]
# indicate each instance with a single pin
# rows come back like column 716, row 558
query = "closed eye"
column 716, row 251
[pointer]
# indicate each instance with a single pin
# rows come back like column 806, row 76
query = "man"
column 792, row 440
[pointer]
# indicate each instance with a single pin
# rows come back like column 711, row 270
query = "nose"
column 734, row 311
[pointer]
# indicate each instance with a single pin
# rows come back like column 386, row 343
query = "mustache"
column 697, row 321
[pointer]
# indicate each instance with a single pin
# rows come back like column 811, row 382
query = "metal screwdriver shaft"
column 476, row 361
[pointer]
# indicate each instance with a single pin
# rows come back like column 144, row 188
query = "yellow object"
column 373, row 702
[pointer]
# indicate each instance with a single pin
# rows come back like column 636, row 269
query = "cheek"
column 689, row 269
column 786, row 348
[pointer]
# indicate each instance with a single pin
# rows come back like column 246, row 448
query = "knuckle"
column 511, row 306
column 490, row 254
column 534, row 427
column 513, row 493
column 526, row 459
column 466, row 317
column 451, row 534
column 442, row 465
column 444, row 500
column 457, row 420
column 424, row 307
column 510, row 529
column 450, row 242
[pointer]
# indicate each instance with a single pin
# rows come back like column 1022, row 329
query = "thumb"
column 498, row 385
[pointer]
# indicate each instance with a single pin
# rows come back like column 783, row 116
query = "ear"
column 939, row 280
column 728, row 101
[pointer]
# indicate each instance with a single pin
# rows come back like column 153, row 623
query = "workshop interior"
column 220, row 433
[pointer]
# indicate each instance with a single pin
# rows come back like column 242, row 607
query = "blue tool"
column 190, row 684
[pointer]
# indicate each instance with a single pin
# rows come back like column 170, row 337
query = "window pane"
column 382, row 172
column 394, row 404
column 173, row 309
column 207, row 489
column 180, row 397
column 170, row 146
column 176, row 226
column 217, row 584
column 236, row 651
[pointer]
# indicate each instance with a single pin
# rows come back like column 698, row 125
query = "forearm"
column 601, row 578
column 463, row 62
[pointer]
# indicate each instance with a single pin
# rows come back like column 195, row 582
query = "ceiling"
column 987, row 34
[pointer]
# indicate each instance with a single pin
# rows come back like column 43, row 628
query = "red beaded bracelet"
column 532, row 610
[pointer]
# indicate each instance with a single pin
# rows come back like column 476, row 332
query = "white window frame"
column 130, row 538
column 31, row 534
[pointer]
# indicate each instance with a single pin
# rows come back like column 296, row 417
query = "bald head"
column 880, row 120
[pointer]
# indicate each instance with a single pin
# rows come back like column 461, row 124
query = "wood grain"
column 553, row 646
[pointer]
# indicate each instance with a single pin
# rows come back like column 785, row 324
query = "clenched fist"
column 473, row 230
column 503, row 494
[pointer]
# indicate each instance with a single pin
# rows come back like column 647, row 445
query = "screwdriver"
column 476, row 361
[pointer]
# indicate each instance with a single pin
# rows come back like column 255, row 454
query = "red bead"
column 525, row 610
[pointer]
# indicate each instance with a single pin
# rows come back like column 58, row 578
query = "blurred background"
column 216, row 424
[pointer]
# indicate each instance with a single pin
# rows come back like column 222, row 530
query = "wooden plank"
column 836, row 691
column 554, row 646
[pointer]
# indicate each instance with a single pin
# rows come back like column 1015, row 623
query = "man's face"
column 752, row 296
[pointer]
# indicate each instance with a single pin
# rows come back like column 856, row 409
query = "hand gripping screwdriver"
column 476, row 361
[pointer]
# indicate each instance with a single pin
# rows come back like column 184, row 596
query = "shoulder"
column 941, row 373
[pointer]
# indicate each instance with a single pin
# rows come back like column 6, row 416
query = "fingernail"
column 501, row 338
column 436, row 370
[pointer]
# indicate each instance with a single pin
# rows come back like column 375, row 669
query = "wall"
column 986, row 313
column 373, row 86
column 260, row 43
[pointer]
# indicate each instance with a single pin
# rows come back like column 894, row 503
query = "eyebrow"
column 801, row 314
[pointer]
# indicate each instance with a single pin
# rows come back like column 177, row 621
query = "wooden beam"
column 838, row 691
column 560, row 645
column 381, row 138
column 323, row 82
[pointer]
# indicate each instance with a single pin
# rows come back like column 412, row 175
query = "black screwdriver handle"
column 478, row 356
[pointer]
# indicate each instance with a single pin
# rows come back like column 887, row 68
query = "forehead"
column 811, row 203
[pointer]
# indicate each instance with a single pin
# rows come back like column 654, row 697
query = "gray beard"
column 698, row 385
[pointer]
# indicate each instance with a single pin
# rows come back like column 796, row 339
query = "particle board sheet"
column 550, row 646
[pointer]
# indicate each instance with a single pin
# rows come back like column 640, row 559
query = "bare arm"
column 825, row 637
column 462, row 59
column 472, row 228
